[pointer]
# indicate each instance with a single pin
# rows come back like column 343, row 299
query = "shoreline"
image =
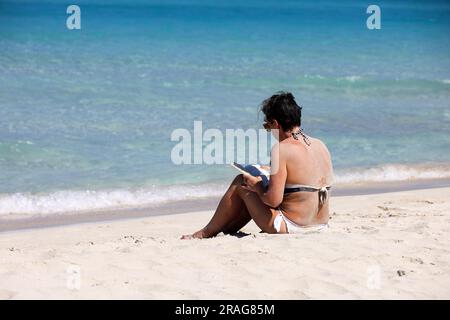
column 197, row 205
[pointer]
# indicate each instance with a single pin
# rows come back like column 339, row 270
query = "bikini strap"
column 305, row 137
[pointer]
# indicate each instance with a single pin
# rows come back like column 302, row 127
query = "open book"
column 254, row 170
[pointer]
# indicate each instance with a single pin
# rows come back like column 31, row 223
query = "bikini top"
column 323, row 191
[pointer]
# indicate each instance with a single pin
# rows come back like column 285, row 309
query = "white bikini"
column 291, row 226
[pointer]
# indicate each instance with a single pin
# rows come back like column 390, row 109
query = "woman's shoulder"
column 317, row 141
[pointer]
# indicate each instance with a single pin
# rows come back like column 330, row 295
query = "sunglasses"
column 266, row 125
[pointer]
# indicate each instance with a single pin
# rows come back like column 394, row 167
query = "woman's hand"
column 251, row 183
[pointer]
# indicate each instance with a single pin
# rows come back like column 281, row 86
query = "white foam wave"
column 392, row 172
column 352, row 78
column 19, row 205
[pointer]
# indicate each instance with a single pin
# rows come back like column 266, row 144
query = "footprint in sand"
column 414, row 260
column 418, row 227
column 123, row 249
column 50, row 254
column 425, row 201
column 401, row 273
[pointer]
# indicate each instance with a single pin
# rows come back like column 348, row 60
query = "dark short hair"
column 283, row 108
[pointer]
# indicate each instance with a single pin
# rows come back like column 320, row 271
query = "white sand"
column 389, row 246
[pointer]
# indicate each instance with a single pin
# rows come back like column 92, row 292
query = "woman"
column 297, row 196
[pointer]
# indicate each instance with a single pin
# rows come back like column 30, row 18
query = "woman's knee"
column 243, row 192
column 238, row 180
column 238, row 188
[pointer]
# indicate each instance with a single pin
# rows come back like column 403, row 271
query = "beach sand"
column 390, row 246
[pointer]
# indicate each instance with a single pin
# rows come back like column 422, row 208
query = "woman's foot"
column 200, row 234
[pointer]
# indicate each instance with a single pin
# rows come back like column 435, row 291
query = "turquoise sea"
column 86, row 115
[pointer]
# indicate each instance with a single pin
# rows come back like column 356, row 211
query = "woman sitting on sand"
column 296, row 199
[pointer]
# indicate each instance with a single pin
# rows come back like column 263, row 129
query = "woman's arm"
column 273, row 196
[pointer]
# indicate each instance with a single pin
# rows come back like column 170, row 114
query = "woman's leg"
column 262, row 214
column 230, row 213
column 237, row 207
column 241, row 221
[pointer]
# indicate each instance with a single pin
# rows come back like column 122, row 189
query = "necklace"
column 305, row 137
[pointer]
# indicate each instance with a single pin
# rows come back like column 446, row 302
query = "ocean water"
column 86, row 115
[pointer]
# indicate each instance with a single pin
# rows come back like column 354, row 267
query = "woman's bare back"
column 307, row 165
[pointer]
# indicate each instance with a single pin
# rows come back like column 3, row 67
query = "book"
column 255, row 170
